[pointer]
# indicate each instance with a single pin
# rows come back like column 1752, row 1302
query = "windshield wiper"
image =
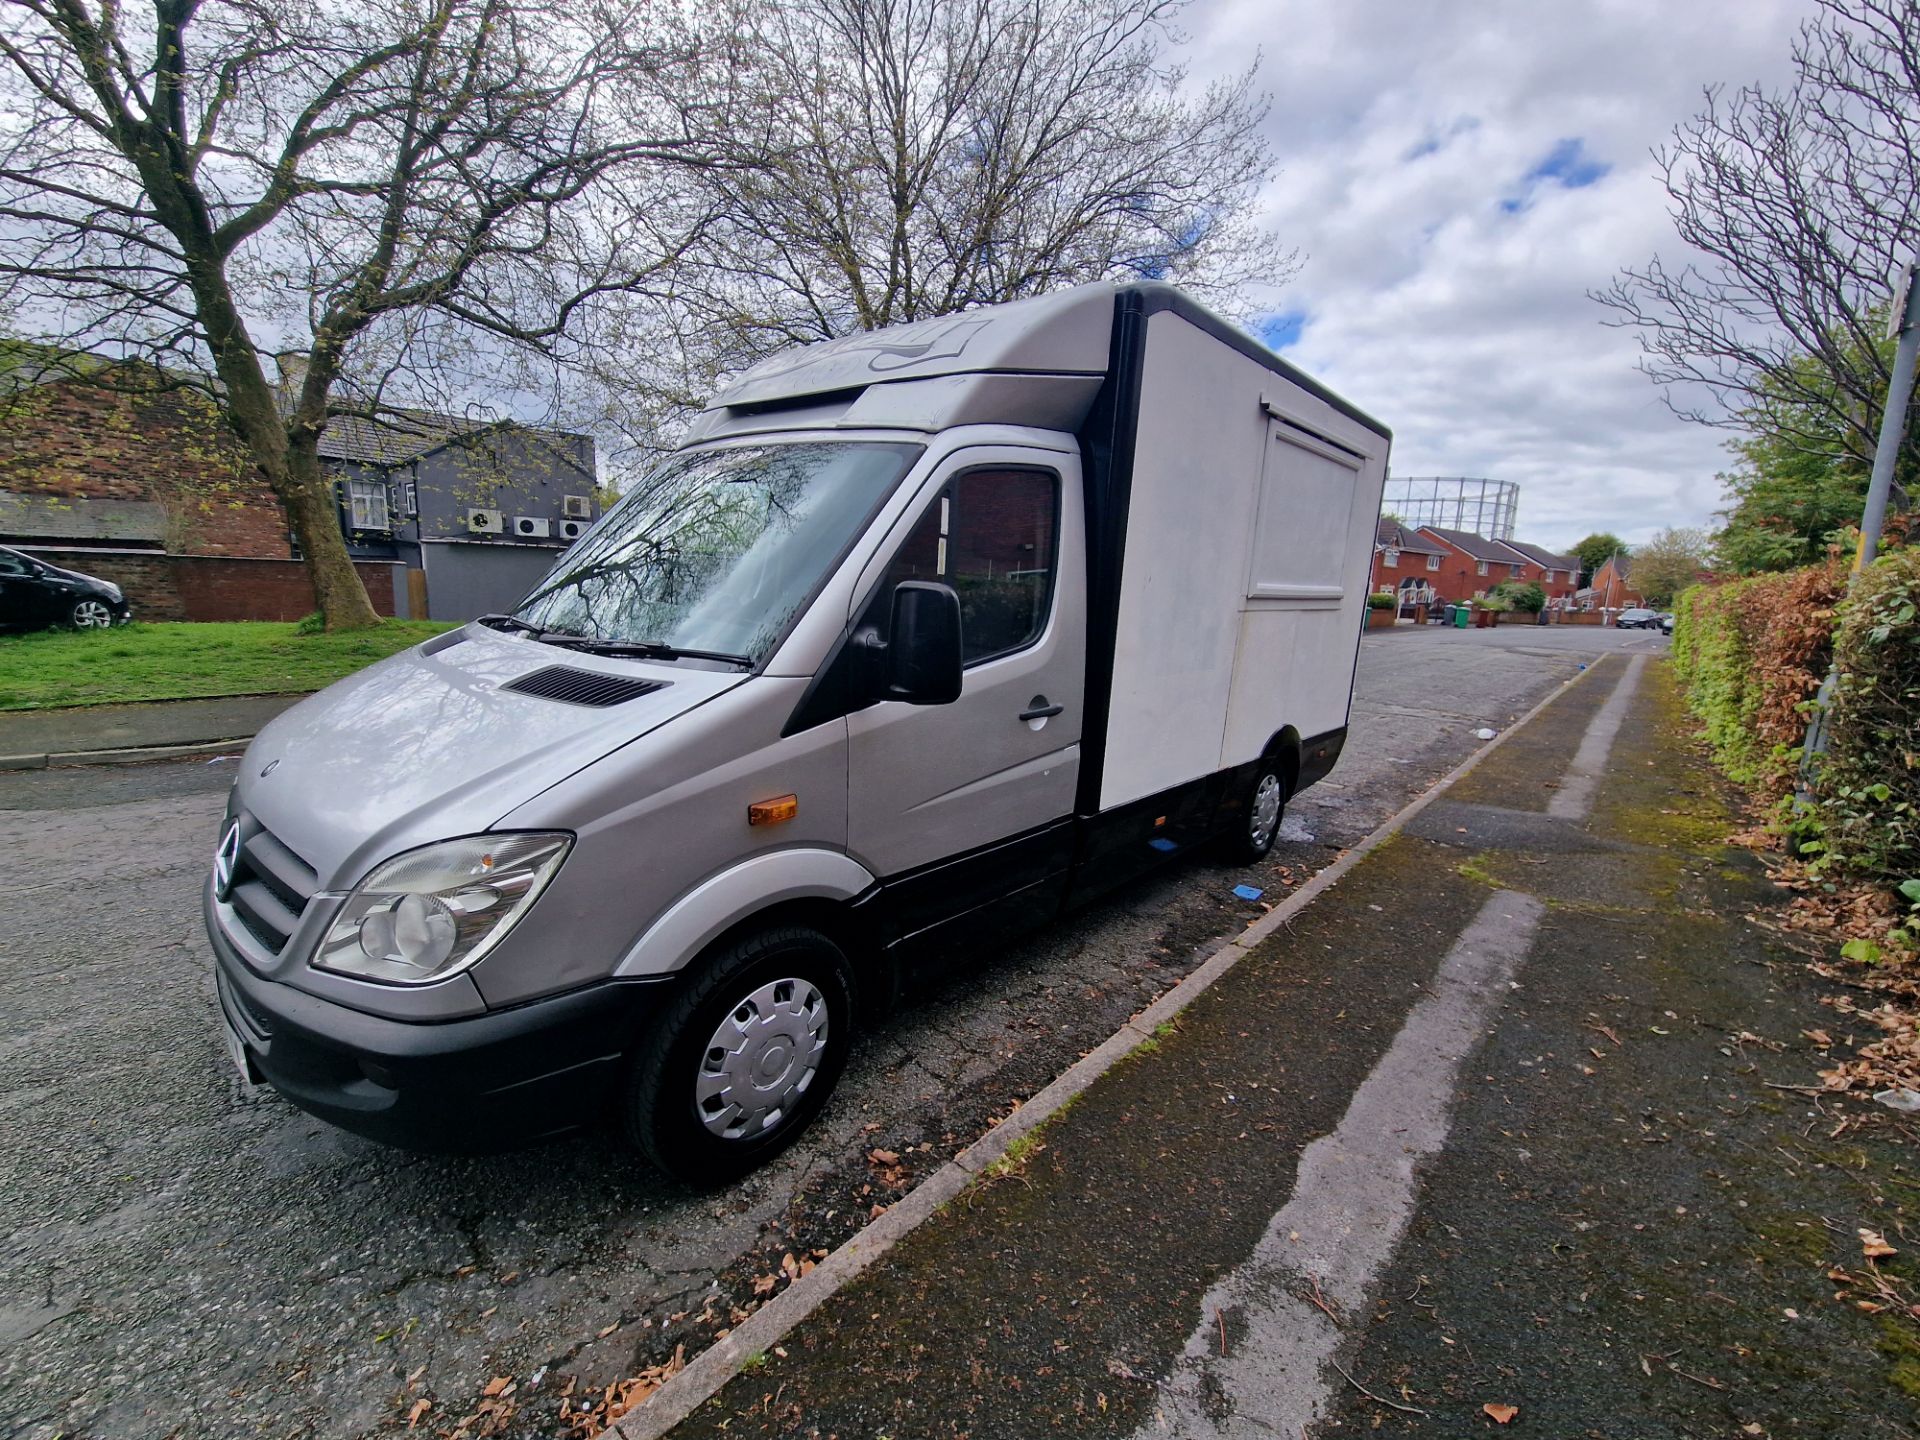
column 646, row 650
column 510, row 622
column 640, row 649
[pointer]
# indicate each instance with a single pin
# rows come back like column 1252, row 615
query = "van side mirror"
column 923, row 645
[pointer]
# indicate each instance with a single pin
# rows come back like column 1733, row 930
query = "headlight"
column 432, row 912
column 114, row 591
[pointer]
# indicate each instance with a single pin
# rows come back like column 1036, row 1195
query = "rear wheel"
column 744, row 1057
column 1253, row 835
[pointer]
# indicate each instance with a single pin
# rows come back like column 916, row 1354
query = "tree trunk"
column 292, row 470
column 315, row 517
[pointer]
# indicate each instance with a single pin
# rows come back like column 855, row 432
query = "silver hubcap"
column 762, row 1059
column 1266, row 810
column 91, row 615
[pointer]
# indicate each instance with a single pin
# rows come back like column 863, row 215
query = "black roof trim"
column 1158, row 295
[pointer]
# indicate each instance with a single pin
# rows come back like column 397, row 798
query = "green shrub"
column 1382, row 600
column 1869, row 789
column 1522, row 595
column 1751, row 654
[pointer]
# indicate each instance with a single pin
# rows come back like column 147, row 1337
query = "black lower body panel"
column 491, row 1082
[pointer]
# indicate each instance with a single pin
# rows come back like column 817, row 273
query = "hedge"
column 1752, row 654
column 1869, row 788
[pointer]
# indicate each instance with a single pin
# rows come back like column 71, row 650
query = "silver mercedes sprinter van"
column 923, row 636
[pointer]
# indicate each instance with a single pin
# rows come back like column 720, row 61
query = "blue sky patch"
column 1277, row 332
column 1567, row 165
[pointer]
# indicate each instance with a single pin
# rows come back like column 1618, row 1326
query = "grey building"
column 476, row 511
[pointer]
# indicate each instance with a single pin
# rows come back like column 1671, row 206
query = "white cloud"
column 1462, row 321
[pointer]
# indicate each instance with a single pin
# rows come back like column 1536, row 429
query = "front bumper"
column 489, row 1082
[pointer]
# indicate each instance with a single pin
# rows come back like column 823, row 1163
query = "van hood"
column 428, row 744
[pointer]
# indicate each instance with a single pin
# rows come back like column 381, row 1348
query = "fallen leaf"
column 420, row 1408
column 1501, row 1413
column 764, row 1285
column 790, row 1266
column 1874, row 1245
column 499, row 1385
column 1753, row 1427
column 1819, row 1037
column 883, row 1157
column 1607, row 1030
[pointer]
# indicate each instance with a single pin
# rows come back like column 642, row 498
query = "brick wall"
column 145, row 575
column 210, row 587
column 71, row 440
column 214, row 588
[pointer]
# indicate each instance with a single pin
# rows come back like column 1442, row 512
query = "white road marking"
column 1574, row 798
column 1354, row 1194
column 1350, row 1206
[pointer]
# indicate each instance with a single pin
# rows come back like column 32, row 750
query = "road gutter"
column 685, row 1392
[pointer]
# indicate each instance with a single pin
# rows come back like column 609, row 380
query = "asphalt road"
column 186, row 1256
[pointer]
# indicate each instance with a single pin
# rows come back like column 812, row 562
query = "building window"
column 367, row 504
column 409, row 499
column 1433, row 562
column 1548, row 577
column 1480, row 567
column 1390, row 558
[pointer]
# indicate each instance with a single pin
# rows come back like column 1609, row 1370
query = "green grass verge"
column 187, row 661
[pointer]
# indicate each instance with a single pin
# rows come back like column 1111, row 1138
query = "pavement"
column 183, row 1255
column 1513, row 1116
column 123, row 734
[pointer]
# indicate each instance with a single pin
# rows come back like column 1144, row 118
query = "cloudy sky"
column 1459, row 175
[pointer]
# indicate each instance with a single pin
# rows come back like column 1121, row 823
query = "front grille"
column 271, row 886
column 582, row 687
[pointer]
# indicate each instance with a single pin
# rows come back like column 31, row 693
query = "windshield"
column 716, row 551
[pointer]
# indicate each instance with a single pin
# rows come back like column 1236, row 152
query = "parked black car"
column 34, row 595
column 1639, row 620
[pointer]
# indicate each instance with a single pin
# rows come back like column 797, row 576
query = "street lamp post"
column 1903, row 327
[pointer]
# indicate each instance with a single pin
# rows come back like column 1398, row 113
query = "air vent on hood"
column 582, row 687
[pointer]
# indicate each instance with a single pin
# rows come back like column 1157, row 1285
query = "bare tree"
column 940, row 154
column 1795, row 207
column 363, row 189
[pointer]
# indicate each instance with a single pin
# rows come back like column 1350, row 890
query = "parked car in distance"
column 35, row 595
column 1666, row 623
column 1639, row 620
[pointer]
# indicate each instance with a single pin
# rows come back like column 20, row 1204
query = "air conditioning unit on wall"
column 532, row 527
column 573, row 529
column 485, row 522
column 577, row 507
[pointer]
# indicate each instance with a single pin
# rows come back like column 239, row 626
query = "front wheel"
column 90, row 615
column 1253, row 835
column 744, row 1057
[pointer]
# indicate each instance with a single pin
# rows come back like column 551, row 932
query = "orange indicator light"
column 773, row 812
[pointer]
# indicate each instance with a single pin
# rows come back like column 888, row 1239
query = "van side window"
column 991, row 535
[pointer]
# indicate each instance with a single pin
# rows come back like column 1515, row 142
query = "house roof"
column 1392, row 535
column 1541, row 556
column 396, row 438
column 1478, row 546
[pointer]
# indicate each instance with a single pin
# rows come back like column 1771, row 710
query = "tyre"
column 90, row 614
column 1259, row 822
column 744, row 1057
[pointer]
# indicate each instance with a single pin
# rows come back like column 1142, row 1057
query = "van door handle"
column 1039, row 709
